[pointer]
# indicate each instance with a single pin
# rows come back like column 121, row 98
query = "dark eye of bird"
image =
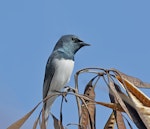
column 75, row 40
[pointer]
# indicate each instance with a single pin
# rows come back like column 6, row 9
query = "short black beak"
column 85, row 44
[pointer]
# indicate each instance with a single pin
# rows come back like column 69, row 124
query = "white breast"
column 63, row 71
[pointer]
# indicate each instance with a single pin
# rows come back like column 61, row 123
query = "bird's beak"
column 85, row 44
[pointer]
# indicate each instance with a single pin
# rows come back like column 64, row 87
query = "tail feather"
column 47, row 107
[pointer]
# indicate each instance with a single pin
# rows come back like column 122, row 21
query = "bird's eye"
column 73, row 39
column 76, row 40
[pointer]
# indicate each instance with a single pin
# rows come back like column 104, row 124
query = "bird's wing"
column 49, row 73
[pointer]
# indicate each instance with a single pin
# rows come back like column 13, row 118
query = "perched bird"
column 59, row 67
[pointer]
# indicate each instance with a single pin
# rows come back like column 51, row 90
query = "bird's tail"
column 47, row 106
column 46, row 116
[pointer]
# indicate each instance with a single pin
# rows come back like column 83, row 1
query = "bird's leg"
column 69, row 89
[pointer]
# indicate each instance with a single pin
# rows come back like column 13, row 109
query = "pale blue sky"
column 118, row 31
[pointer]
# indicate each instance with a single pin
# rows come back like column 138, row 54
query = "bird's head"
column 70, row 44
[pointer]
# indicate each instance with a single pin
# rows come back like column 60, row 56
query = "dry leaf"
column 57, row 123
column 143, row 111
column 138, row 100
column 18, row 124
column 118, row 116
column 137, row 82
column 135, row 91
column 133, row 112
column 87, row 119
column 115, row 93
column 111, row 122
column 114, row 106
column 36, row 123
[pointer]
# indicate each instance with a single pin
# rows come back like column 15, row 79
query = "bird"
column 59, row 68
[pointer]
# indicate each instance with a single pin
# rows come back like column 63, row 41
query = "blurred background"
column 118, row 31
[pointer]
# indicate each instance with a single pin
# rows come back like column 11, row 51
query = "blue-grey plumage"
column 59, row 67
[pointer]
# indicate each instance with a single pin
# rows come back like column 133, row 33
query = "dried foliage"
column 117, row 114
column 125, row 97
column 111, row 122
column 57, row 123
column 87, row 119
